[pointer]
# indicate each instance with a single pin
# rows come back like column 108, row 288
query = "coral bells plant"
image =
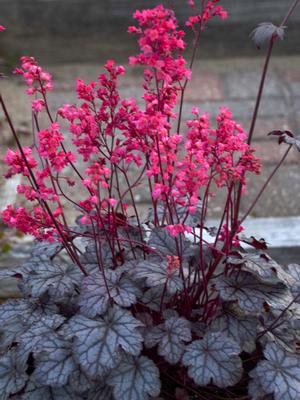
column 120, row 306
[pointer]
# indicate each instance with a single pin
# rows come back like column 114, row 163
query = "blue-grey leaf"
column 79, row 381
column 280, row 330
column 47, row 277
column 294, row 271
column 264, row 33
column 12, row 376
column 279, row 374
column 44, row 251
column 251, row 294
column 90, row 258
column 255, row 390
column 135, row 379
column 97, row 341
column 214, row 359
column 170, row 337
column 165, row 244
column 36, row 391
column 263, row 267
column 33, row 333
column 100, row 392
column 98, row 289
column 152, row 297
column 157, row 274
column 241, row 328
column 54, row 362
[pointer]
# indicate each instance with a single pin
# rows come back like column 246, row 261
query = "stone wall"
column 47, row 28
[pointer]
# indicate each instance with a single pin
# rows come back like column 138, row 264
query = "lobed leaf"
column 100, row 392
column 265, row 32
column 54, row 362
column 170, row 337
column 214, row 359
column 255, row 390
column 135, row 379
column 287, row 137
column 98, row 289
column 158, row 275
column 279, row 373
column 97, row 341
column 46, row 277
column 152, row 297
column 12, row 376
column 165, row 244
column 263, row 267
column 241, row 328
column 251, row 294
column 36, row 391
column 33, row 333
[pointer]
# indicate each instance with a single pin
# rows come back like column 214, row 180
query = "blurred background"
column 73, row 38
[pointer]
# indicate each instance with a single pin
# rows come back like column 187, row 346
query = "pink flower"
column 2, row 28
column 38, row 105
column 17, row 163
column 35, row 77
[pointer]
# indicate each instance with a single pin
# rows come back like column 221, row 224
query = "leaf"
column 36, row 391
column 258, row 244
column 264, row 33
column 98, row 289
column 263, row 267
column 158, row 274
column 294, row 271
column 33, row 333
column 100, row 392
column 10, row 331
column 45, row 251
column 47, row 277
column 12, row 376
column 170, row 337
column 90, row 259
column 251, row 294
column 243, row 329
column 97, row 341
column 280, row 329
column 279, row 373
column 287, row 137
column 79, row 381
column 135, row 379
column 53, row 361
column 255, row 390
column 27, row 310
column 152, row 297
column 165, row 244
column 214, row 358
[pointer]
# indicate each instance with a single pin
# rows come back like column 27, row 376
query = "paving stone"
column 264, row 126
column 205, row 86
column 295, row 88
column 282, row 196
column 241, row 109
column 245, row 85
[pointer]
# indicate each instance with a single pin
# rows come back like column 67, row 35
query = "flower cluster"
column 210, row 10
column 37, row 80
column 111, row 134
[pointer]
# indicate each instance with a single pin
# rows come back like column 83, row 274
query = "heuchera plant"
column 120, row 307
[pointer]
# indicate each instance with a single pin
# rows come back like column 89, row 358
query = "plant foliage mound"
column 124, row 307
